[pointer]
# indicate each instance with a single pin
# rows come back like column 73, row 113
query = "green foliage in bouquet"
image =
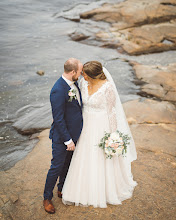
column 125, row 139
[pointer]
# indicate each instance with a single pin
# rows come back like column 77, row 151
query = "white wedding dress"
column 92, row 179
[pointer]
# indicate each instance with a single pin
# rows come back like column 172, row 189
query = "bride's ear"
column 85, row 76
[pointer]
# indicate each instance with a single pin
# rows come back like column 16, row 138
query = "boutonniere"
column 72, row 94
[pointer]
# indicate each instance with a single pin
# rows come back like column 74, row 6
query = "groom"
column 66, row 103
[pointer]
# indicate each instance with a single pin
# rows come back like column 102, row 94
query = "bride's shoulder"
column 108, row 84
column 109, row 88
column 106, row 87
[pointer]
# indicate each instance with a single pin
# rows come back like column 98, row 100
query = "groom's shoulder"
column 58, row 85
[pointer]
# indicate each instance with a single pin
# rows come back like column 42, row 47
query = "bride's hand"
column 71, row 146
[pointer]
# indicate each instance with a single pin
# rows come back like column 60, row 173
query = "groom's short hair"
column 70, row 65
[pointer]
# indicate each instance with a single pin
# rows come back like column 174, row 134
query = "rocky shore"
column 136, row 27
column 153, row 124
column 153, row 127
column 158, row 81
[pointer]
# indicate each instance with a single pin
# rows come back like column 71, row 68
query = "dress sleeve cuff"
column 68, row 142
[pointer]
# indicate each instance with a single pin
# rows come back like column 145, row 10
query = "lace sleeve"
column 111, row 107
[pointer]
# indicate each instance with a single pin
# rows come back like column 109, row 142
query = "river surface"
column 35, row 36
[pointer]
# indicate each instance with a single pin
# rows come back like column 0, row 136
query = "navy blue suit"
column 67, row 124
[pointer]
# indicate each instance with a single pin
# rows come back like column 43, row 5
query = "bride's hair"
column 94, row 70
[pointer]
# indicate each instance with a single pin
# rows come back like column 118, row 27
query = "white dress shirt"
column 72, row 86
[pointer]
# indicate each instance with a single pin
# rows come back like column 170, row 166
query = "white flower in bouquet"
column 114, row 144
column 119, row 151
column 114, row 136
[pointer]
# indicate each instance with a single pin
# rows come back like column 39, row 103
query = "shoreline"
column 24, row 114
column 152, row 119
column 22, row 186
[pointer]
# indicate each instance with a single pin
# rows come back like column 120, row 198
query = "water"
column 35, row 36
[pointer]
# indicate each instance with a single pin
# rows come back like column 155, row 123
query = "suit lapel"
column 79, row 93
column 67, row 88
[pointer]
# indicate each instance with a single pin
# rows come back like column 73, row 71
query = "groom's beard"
column 74, row 78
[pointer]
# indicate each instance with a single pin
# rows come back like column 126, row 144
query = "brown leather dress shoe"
column 59, row 194
column 48, row 205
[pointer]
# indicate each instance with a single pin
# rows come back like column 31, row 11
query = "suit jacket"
column 67, row 116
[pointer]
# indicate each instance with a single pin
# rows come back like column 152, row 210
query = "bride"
column 93, row 179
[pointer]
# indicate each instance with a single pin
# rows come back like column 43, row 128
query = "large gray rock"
column 34, row 118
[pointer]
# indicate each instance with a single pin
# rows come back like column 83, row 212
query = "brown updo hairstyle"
column 94, row 70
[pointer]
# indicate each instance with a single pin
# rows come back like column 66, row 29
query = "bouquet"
column 114, row 144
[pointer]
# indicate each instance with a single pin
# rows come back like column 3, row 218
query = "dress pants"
column 59, row 167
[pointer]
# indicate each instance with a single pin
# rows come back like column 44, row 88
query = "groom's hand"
column 71, row 146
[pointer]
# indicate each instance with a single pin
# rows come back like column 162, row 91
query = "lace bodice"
column 103, row 100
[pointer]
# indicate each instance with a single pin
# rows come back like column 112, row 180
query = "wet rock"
column 33, row 136
column 137, row 26
column 16, row 83
column 132, row 13
column 160, row 80
column 73, row 13
column 78, row 36
column 40, row 72
column 76, row 19
column 36, row 118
